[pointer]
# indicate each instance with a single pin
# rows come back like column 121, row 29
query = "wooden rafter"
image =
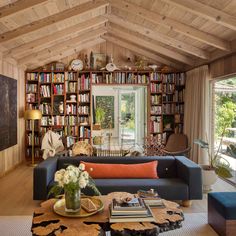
column 68, row 52
column 172, row 24
column 206, row 11
column 151, row 45
column 39, row 43
column 18, row 6
column 141, row 51
column 60, row 47
column 80, row 9
column 151, row 33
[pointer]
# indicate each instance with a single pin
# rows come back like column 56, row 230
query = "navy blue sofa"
column 179, row 177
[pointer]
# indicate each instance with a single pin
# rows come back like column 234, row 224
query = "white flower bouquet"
column 73, row 179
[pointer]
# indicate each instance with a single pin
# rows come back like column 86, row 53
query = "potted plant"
column 218, row 165
column 99, row 115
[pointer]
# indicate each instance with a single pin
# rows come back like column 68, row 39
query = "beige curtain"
column 197, row 110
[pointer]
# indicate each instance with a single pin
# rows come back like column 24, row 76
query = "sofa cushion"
column 120, row 171
column 166, row 167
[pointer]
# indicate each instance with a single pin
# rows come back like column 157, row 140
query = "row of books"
column 70, row 120
column 71, row 76
column 157, row 110
column 155, row 124
column 45, row 108
column 71, row 109
column 156, row 88
column 120, row 78
column 71, row 130
column 45, row 91
column 83, row 110
column 58, row 89
column 36, row 152
column 177, row 78
column 71, row 87
column 168, row 88
column 179, row 128
column 178, row 96
column 31, row 88
column 84, row 82
column 84, row 97
column 44, row 77
column 30, row 97
column 171, row 108
column 156, row 99
column 30, row 106
column 84, row 132
column 58, row 77
column 32, row 76
column 36, row 139
column 155, row 76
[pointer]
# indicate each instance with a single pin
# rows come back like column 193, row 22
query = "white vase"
column 209, row 177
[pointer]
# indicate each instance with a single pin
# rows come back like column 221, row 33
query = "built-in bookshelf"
column 64, row 97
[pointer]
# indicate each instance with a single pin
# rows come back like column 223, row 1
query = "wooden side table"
column 46, row 222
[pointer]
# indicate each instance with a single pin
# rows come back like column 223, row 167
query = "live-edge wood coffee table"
column 47, row 222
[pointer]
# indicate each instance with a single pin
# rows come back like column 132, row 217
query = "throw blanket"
column 51, row 144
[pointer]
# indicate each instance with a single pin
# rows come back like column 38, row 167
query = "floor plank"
column 16, row 193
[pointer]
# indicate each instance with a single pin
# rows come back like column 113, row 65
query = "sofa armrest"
column 190, row 173
column 43, row 175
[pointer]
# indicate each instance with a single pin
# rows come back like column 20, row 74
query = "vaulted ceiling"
column 177, row 33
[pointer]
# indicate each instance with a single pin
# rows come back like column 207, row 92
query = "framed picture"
column 99, row 60
column 107, row 104
column 8, row 118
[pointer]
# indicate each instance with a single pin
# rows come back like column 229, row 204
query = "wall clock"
column 77, row 64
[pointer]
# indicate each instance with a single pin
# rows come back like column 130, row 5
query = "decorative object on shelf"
column 82, row 148
column 72, row 180
column 98, row 140
column 77, row 64
column 72, row 98
column 111, row 66
column 91, row 62
column 154, row 67
column 86, row 65
column 140, row 62
column 32, row 115
column 99, row 60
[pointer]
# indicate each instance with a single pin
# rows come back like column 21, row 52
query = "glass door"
column 127, row 117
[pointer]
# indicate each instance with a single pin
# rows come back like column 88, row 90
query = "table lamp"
column 32, row 115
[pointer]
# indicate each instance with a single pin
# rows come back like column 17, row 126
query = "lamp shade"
column 33, row 115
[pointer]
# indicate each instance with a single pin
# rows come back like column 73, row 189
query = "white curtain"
column 197, row 110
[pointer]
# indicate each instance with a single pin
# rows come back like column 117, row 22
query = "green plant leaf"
column 223, row 170
column 201, row 143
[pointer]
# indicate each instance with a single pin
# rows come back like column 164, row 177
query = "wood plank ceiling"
column 177, row 33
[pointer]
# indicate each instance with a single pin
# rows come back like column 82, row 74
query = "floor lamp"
column 32, row 115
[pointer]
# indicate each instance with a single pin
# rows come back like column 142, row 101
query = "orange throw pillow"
column 146, row 170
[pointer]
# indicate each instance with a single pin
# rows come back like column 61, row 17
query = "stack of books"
column 133, row 211
column 151, row 198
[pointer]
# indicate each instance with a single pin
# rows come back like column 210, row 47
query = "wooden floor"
column 16, row 193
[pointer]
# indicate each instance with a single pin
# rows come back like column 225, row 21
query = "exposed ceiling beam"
column 80, row 9
column 172, row 24
column 151, row 45
column 18, row 6
column 60, row 47
column 42, row 42
column 151, row 33
column 206, row 11
column 65, row 53
column 141, row 51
